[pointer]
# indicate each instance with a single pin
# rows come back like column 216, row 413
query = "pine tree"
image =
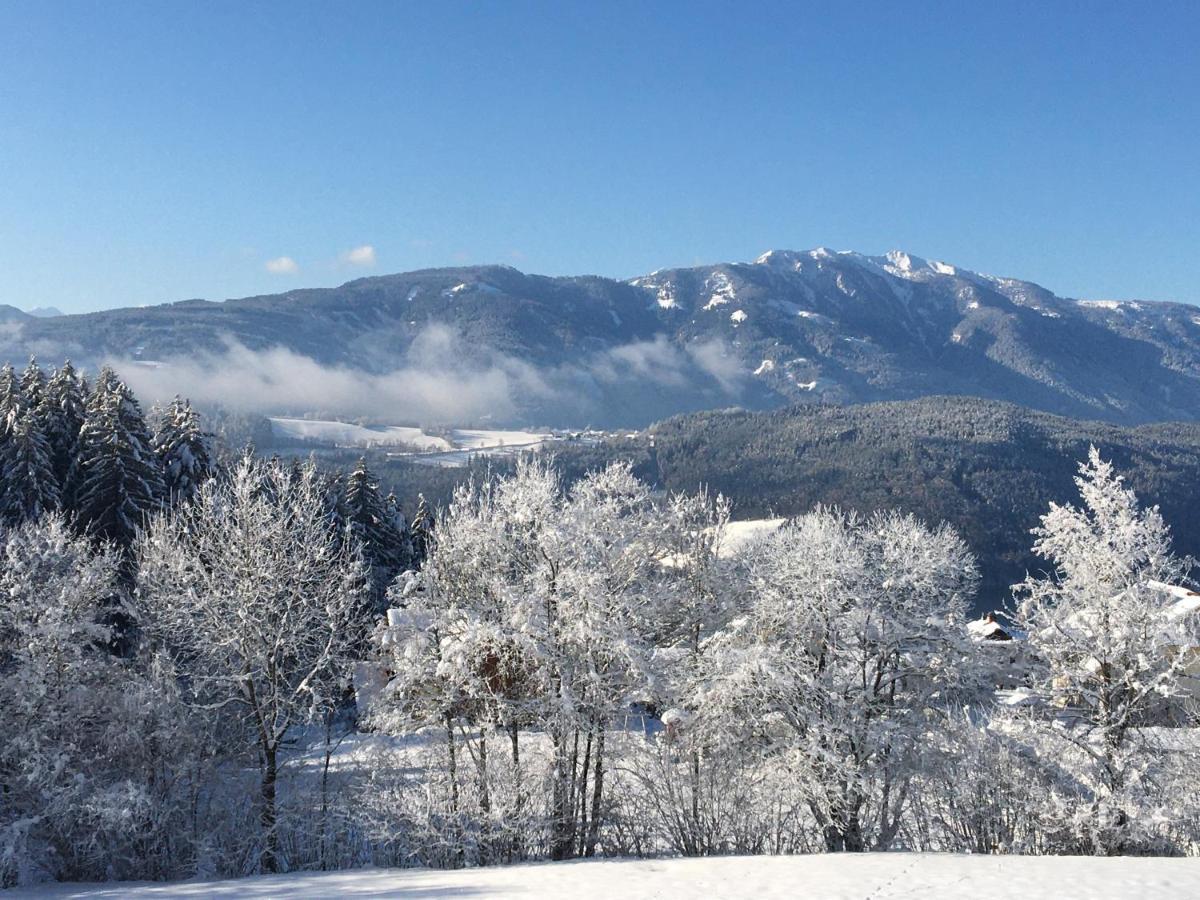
column 10, row 400
column 63, row 408
column 368, row 518
column 116, row 478
column 421, row 531
column 33, row 385
column 28, row 485
column 395, row 515
column 184, row 451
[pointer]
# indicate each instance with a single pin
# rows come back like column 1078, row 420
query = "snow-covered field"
column 469, row 442
column 740, row 535
column 456, row 449
column 345, row 434
column 877, row 876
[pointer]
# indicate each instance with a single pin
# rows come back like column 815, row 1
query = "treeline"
column 87, row 451
column 986, row 467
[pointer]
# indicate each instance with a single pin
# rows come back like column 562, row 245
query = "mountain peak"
column 895, row 262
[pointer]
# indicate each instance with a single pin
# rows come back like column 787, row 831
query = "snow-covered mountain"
column 814, row 325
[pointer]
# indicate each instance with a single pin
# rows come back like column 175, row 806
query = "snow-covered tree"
column 62, row 411
column 93, row 785
column 537, row 606
column 116, row 482
column 421, row 530
column 701, row 598
column 10, row 400
column 28, row 485
column 259, row 601
column 33, row 385
column 1108, row 648
column 184, row 450
column 851, row 647
column 367, row 516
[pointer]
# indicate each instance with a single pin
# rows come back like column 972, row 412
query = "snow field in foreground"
column 875, row 876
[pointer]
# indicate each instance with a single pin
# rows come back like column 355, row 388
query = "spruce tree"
column 367, row 518
column 395, row 515
column 63, row 408
column 116, row 478
column 33, row 385
column 28, row 485
column 421, row 531
column 10, row 400
column 184, row 451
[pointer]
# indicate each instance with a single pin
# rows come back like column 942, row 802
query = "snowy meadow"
column 215, row 665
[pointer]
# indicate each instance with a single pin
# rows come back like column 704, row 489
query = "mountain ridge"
column 831, row 326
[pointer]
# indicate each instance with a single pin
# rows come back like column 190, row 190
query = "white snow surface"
column 462, row 444
column 479, row 439
column 345, row 434
column 878, row 876
column 740, row 535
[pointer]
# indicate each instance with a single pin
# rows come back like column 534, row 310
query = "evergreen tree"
column 28, row 485
column 10, row 400
column 33, row 385
column 184, row 450
column 368, row 518
column 116, row 478
column 421, row 531
column 395, row 515
column 63, row 407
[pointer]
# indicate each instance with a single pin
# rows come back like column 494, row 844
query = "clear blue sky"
column 167, row 150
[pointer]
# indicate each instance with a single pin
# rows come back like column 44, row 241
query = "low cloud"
column 282, row 265
column 359, row 256
column 440, row 378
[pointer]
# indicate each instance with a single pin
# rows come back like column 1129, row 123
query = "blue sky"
column 159, row 151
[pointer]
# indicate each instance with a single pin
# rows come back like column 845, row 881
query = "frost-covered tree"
column 93, row 782
column 368, row 517
column 33, row 385
column 62, row 411
column 537, row 606
column 10, row 400
column 116, row 482
column 1109, row 651
column 184, row 450
column 702, row 597
column 851, row 647
column 421, row 530
column 28, row 485
column 259, row 601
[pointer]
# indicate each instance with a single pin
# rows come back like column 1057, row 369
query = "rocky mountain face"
column 813, row 326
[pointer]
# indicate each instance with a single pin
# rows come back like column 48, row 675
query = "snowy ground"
column 455, row 449
column 876, row 876
column 345, row 434
column 740, row 535
column 469, row 442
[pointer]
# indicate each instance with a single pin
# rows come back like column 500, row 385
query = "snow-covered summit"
column 899, row 263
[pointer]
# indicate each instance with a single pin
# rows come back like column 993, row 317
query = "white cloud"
column 282, row 265
column 360, row 256
column 442, row 377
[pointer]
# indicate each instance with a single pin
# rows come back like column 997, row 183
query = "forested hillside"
column 988, row 468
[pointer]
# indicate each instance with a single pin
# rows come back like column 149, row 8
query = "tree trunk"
column 582, row 795
column 593, row 835
column 485, row 801
column 452, row 760
column 270, row 854
column 515, row 848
